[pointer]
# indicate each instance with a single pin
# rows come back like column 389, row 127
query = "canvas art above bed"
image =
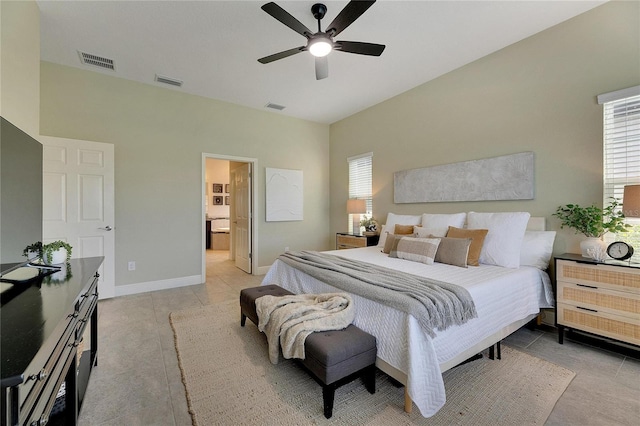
column 508, row 286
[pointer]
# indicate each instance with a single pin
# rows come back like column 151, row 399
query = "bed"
column 505, row 299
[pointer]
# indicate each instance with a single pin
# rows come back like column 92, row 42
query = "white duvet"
column 502, row 296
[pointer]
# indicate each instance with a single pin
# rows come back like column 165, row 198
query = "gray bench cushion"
column 332, row 355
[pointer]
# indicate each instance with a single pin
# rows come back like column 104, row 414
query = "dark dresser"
column 49, row 344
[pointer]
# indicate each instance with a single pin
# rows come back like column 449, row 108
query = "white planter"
column 593, row 248
column 57, row 257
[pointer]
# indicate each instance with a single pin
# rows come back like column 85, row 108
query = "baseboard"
column 125, row 290
column 262, row 270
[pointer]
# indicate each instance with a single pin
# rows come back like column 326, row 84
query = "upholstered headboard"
column 536, row 224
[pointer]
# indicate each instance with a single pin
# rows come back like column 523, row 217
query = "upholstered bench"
column 248, row 298
column 333, row 358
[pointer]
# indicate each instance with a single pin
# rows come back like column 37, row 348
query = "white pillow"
column 503, row 242
column 438, row 224
column 393, row 219
column 537, row 247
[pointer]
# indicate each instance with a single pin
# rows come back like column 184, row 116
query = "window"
column 360, row 179
column 622, row 150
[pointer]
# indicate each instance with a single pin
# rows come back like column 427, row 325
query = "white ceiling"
column 213, row 46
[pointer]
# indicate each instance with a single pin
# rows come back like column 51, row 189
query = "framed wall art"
column 217, row 188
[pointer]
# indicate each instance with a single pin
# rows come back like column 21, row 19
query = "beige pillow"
column 477, row 239
column 403, row 229
column 415, row 249
column 388, row 243
column 453, row 251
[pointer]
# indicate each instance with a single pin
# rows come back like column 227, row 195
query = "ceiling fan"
column 320, row 44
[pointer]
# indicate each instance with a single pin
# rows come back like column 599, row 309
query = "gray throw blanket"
column 288, row 320
column 436, row 305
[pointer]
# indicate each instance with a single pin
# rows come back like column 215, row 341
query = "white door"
column 78, row 199
column 242, row 217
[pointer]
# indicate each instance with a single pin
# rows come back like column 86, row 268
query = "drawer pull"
column 587, row 286
column 586, row 309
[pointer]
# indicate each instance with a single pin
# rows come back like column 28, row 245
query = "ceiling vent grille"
column 97, row 61
column 168, row 80
column 275, row 106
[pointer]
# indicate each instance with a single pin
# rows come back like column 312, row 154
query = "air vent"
column 97, row 61
column 275, row 106
column 168, row 80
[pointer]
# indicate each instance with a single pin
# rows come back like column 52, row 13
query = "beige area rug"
column 229, row 381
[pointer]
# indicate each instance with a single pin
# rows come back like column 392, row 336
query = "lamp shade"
column 631, row 201
column 356, row 206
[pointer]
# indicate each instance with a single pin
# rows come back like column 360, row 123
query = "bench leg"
column 243, row 319
column 328, row 394
column 369, row 377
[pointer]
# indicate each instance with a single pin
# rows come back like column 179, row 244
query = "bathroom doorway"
column 228, row 226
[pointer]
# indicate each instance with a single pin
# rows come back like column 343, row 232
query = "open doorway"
column 229, row 198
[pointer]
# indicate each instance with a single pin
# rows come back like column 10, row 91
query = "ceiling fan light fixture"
column 320, row 46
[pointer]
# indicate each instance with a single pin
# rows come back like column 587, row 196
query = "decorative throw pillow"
column 537, row 247
column 504, row 240
column 403, row 219
column 438, row 224
column 415, row 249
column 453, row 251
column 403, row 229
column 388, row 244
column 477, row 240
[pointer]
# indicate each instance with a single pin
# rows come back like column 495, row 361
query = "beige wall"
column 159, row 137
column 537, row 95
column 20, row 64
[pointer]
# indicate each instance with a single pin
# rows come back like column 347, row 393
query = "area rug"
column 229, row 381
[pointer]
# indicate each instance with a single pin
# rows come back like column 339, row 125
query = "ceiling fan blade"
column 322, row 68
column 281, row 55
column 350, row 13
column 360, row 48
column 285, row 17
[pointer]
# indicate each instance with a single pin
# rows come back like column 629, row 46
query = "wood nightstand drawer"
column 601, row 300
column 599, row 275
column 348, row 241
column 351, row 241
column 602, row 323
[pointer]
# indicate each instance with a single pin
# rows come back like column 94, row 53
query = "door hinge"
column 250, row 256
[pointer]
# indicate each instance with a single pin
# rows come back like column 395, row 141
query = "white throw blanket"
column 288, row 320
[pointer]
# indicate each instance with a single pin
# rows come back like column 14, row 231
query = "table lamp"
column 356, row 207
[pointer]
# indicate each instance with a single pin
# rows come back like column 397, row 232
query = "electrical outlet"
column 286, row 249
column 132, row 265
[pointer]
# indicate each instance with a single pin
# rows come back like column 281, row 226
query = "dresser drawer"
column 601, row 276
column 602, row 323
column 600, row 299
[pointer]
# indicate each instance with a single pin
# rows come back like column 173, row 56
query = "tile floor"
column 137, row 381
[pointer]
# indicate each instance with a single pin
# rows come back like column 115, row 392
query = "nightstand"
column 344, row 240
column 601, row 298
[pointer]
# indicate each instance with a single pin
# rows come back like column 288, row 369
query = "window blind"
column 360, row 181
column 621, row 146
column 622, row 155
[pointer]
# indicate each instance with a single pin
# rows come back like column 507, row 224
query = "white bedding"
column 502, row 296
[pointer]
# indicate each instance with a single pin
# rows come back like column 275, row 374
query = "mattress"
column 502, row 296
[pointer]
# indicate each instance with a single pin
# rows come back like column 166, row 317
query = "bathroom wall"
column 217, row 171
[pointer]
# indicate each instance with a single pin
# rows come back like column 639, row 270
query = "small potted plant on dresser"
column 56, row 252
column 593, row 222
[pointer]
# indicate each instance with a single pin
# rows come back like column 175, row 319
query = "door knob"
column 107, row 228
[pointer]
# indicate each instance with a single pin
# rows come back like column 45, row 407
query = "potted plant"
column 33, row 250
column 593, row 222
column 370, row 224
column 56, row 252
